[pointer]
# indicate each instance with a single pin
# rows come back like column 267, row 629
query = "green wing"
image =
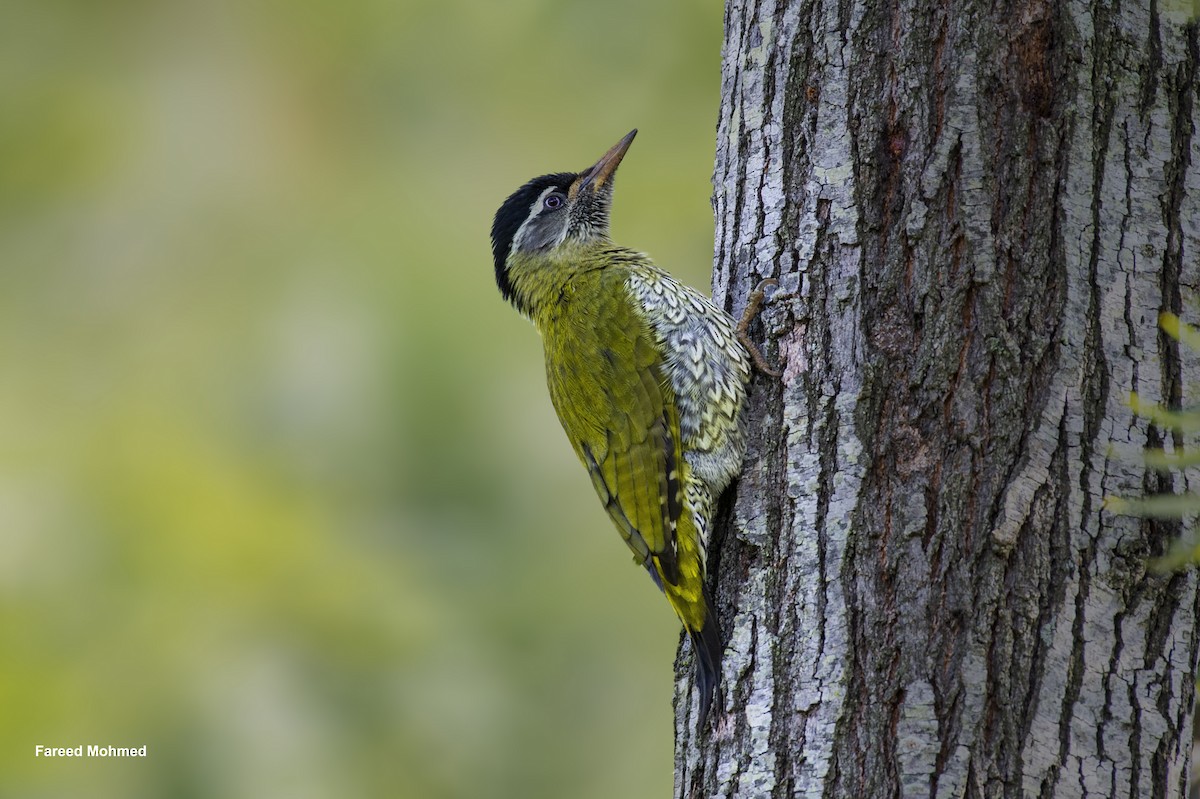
column 607, row 384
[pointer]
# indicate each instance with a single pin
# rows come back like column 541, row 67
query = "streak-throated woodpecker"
column 647, row 376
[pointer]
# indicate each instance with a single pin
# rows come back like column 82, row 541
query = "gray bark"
column 979, row 214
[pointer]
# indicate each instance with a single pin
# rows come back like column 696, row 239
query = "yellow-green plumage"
column 646, row 375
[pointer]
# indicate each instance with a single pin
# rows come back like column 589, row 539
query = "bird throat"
column 542, row 282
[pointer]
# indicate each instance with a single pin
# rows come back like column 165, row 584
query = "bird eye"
column 553, row 202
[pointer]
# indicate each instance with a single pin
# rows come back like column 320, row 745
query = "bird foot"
column 753, row 305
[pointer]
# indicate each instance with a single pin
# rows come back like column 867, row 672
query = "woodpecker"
column 648, row 378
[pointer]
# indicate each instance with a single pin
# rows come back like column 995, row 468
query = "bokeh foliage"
column 282, row 496
column 1179, row 425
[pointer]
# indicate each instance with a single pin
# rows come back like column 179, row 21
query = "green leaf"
column 1183, row 553
column 1161, row 506
column 1186, row 421
column 1169, row 461
column 1180, row 330
column 1180, row 10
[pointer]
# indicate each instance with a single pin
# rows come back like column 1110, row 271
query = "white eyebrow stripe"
column 519, row 236
column 538, row 202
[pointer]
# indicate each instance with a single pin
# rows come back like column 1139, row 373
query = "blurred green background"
column 282, row 495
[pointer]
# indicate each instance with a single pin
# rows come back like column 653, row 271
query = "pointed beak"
column 595, row 178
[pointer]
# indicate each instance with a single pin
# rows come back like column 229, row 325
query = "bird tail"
column 706, row 651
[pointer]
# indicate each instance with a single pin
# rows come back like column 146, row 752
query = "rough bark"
column 979, row 213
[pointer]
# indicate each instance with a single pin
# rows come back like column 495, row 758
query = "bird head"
column 553, row 210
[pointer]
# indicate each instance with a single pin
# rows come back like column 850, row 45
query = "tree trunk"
column 978, row 215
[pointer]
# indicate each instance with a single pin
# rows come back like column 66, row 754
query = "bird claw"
column 754, row 304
